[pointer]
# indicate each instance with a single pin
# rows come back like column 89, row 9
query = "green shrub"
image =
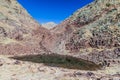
column 108, row 4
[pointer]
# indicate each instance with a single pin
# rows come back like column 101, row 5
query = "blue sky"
column 52, row 10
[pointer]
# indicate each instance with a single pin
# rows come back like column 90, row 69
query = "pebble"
column 17, row 62
column 1, row 64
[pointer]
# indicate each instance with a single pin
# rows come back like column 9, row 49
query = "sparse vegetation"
column 108, row 4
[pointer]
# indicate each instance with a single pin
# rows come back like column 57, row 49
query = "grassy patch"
column 63, row 61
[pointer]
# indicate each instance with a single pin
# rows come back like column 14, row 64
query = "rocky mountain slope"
column 18, row 29
column 92, row 33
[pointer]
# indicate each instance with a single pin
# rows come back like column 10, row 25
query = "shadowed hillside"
column 56, row 60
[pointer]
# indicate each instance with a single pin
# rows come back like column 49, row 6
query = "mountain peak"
column 49, row 25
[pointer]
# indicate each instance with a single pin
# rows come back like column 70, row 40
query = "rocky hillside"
column 18, row 29
column 100, row 25
column 93, row 32
column 89, row 41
